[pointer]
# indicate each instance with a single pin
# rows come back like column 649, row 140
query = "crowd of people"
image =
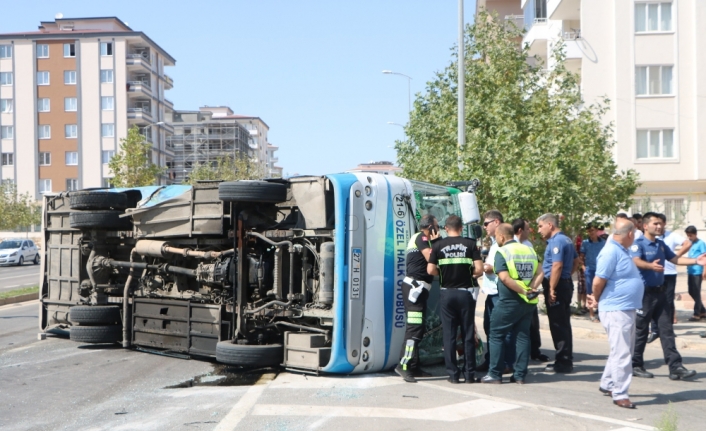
column 626, row 281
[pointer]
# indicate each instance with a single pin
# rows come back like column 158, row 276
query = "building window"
column 107, row 155
column 69, row 50
column 44, row 186
column 655, row 144
column 674, row 209
column 42, row 51
column 653, row 80
column 107, row 103
column 70, row 104
column 108, row 130
column 7, row 132
column 8, row 159
column 106, row 48
column 44, row 159
column 651, row 17
column 5, row 51
column 44, row 131
column 5, row 78
column 43, row 105
column 5, row 105
column 71, row 184
column 42, row 78
column 70, row 131
column 71, row 158
column 70, row 77
column 107, row 76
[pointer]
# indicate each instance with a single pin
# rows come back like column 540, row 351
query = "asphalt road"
column 57, row 384
column 14, row 277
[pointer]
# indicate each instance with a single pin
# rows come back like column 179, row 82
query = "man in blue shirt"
column 560, row 260
column 649, row 254
column 589, row 252
column 695, row 273
column 618, row 293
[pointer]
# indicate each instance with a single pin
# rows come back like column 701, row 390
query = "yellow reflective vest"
column 522, row 264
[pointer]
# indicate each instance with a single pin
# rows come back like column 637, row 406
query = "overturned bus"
column 304, row 273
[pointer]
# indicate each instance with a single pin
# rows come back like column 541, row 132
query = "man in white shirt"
column 521, row 228
column 493, row 219
column 673, row 240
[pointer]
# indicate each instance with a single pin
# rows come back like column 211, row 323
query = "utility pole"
column 461, row 88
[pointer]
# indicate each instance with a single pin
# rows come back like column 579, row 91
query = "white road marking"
column 301, row 381
column 21, row 276
column 55, row 358
column 16, row 285
column 243, row 406
column 19, row 304
column 545, row 408
column 450, row 413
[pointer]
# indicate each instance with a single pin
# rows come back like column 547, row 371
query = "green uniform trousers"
column 510, row 316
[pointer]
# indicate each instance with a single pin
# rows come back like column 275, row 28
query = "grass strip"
column 17, row 292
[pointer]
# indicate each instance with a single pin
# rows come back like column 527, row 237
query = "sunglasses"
column 485, row 224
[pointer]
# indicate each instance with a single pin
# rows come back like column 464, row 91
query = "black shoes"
column 541, row 358
column 641, row 372
column 420, row 374
column 405, row 374
column 472, row 380
column 453, row 381
column 653, row 336
column 491, row 380
column 559, row 368
column 514, row 380
column 680, row 373
column 605, row 391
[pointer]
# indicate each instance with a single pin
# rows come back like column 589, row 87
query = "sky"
column 310, row 69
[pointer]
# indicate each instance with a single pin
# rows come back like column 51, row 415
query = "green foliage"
column 19, row 211
column 226, row 169
column 132, row 166
column 530, row 139
column 669, row 420
column 17, row 292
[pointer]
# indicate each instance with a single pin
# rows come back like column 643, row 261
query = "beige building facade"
column 647, row 58
column 69, row 92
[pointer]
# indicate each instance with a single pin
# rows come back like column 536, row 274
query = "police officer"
column 560, row 260
column 516, row 266
column 415, row 292
column 457, row 261
column 649, row 254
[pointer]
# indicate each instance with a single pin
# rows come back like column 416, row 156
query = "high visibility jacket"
column 522, row 264
column 412, row 244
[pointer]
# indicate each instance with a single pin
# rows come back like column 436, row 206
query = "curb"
column 19, row 298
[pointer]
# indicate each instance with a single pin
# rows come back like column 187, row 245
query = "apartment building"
column 69, row 92
column 273, row 170
column 199, row 138
column 645, row 57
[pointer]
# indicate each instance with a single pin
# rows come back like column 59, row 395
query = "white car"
column 18, row 251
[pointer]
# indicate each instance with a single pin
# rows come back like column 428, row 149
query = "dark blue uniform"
column 560, row 248
column 654, row 304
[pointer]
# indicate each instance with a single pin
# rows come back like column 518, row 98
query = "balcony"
column 518, row 20
column 169, row 104
column 136, row 61
column 139, row 114
column 168, row 82
column 139, row 88
column 536, row 38
column 564, row 10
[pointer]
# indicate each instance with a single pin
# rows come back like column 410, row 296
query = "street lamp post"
column 392, row 123
column 461, row 88
column 409, row 86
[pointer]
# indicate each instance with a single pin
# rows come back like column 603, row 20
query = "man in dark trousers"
column 517, row 268
column 457, row 261
column 415, row 293
column 560, row 260
column 649, row 254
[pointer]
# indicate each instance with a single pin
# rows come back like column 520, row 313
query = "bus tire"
column 97, row 200
column 252, row 191
column 95, row 315
column 96, row 334
column 249, row 355
column 103, row 220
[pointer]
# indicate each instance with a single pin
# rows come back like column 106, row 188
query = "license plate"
column 356, row 275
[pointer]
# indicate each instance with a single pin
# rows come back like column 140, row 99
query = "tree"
column 227, row 169
column 132, row 166
column 530, row 139
column 19, row 211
